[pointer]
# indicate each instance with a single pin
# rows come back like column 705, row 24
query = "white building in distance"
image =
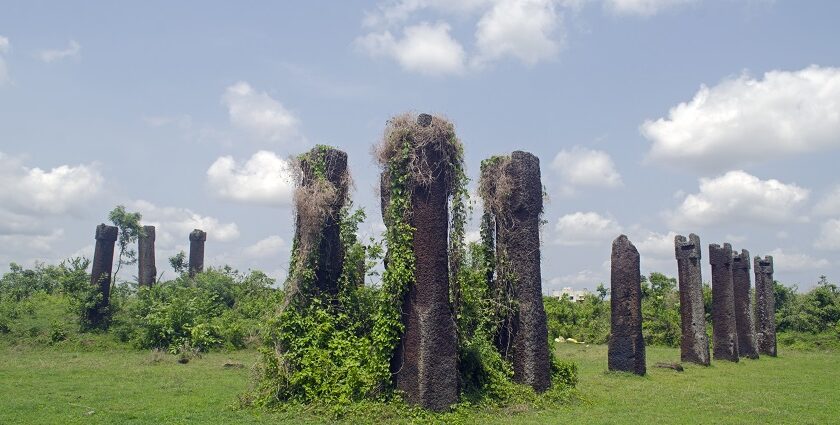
column 574, row 296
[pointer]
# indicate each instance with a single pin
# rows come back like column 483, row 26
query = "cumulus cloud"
column 260, row 114
column 585, row 167
column 73, row 50
column 830, row 203
column 829, row 237
column 268, row 247
column 642, row 7
column 585, row 228
column 745, row 119
column 581, row 279
column 173, row 224
column 792, row 262
column 37, row 244
column 528, row 30
column 34, row 191
column 263, row 179
column 739, row 196
column 424, row 48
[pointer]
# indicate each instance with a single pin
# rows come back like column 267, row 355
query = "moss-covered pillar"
column 626, row 350
column 424, row 364
column 744, row 322
column 197, row 239
column 100, row 273
column 146, row 269
column 694, row 345
column 765, row 306
column 725, row 331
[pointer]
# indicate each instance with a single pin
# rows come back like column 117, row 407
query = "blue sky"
column 651, row 118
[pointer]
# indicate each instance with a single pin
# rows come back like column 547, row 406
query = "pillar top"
column 622, row 243
column 764, row 265
column 687, row 248
column 105, row 232
column 720, row 256
column 198, row 235
column 149, row 232
column 741, row 261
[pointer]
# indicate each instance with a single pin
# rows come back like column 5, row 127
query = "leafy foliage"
column 128, row 225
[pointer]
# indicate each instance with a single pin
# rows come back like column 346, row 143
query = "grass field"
column 61, row 385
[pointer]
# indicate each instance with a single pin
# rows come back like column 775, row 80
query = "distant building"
column 574, row 296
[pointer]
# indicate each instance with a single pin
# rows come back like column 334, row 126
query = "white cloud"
column 528, row 30
column 37, row 243
column 259, row 114
column 585, row 228
column 642, row 7
column 791, row 262
column 39, row 192
column 424, row 48
column 4, row 71
column 739, row 196
column 271, row 246
column 585, row 167
column 829, row 237
column 264, row 179
column 830, row 203
column 72, row 51
column 744, row 120
column 4, row 44
column 656, row 245
column 390, row 13
column 173, row 224
column 582, row 279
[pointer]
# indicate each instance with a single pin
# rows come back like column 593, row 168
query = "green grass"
column 81, row 382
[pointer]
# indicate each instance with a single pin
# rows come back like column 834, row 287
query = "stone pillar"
column 626, row 345
column 197, row 238
column 694, row 347
column 425, row 361
column 100, row 273
column 519, row 239
column 765, row 306
column 725, row 331
column 147, row 272
column 743, row 305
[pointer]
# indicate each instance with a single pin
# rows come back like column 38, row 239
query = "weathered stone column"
column 627, row 346
column 197, row 238
column 694, row 347
column 425, row 361
column 765, row 306
column 147, row 272
column 100, row 273
column 519, row 239
column 743, row 305
column 725, row 331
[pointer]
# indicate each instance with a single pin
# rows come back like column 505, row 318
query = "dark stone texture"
column 723, row 304
column 743, row 305
column 425, row 363
column 100, row 273
column 197, row 238
column 330, row 252
column 765, row 306
column 694, row 346
column 146, row 269
column 626, row 345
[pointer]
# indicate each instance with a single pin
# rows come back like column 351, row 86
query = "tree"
column 179, row 262
column 130, row 229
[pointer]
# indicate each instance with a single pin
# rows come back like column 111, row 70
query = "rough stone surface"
column 100, row 272
column 694, row 346
column 765, row 306
column 330, row 253
column 197, row 239
column 146, row 269
column 425, row 361
column 626, row 346
column 744, row 321
column 518, row 242
column 723, row 304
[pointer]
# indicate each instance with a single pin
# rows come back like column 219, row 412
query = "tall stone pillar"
column 725, row 330
column 626, row 346
column 765, row 306
column 425, row 361
column 147, row 272
column 743, row 305
column 100, row 273
column 694, row 347
column 519, row 239
column 197, row 239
